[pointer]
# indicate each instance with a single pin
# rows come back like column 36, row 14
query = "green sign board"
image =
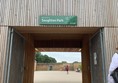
column 58, row 20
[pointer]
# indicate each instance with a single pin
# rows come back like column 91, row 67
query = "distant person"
column 78, row 70
column 67, row 68
column 113, row 66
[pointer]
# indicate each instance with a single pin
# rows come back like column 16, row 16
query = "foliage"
column 80, row 66
column 64, row 61
column 75, row 62
column 44, row 58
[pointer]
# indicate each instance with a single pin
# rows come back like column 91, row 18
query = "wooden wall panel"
column 29, row 60
column 89, row 12
column 86, row 75
column 111, row 42
column 3, row 47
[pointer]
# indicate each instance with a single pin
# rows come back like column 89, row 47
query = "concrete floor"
column 57, row 77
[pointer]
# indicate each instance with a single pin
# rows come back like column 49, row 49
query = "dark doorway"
column 16, row 58
column 97, row 58
column 50, row 68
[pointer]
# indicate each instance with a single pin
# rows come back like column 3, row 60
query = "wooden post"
column 29, row 60
column 86, row 61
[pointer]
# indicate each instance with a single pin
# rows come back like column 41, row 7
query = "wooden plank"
column 3, row 47
column 61, row 30
column 59, row 49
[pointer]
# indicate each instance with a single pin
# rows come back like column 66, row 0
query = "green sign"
column 58, row 20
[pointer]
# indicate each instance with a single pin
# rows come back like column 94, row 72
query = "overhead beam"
column 58, row 49
column 58, row 44
column 61, row 30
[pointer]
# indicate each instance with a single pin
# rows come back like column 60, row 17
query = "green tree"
column 80, row 66
column 38, row 57
column 44, row 58
column 75, row 62
column 53, row 60
column 64, row 61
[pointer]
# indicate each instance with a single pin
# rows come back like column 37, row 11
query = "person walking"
column 67, row 68
column 113, row 66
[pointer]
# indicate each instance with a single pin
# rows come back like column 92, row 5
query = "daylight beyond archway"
column 51, row 67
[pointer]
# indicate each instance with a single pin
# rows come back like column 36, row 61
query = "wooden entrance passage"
column 54, row 38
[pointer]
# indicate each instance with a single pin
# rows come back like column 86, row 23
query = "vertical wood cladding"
column 3, row 47
column 111, row 42
column 89, row 12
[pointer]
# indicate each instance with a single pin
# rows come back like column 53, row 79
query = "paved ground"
column 57, row 77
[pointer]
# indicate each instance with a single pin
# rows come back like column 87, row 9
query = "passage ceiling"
column 63, row 39
column 55, row 33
